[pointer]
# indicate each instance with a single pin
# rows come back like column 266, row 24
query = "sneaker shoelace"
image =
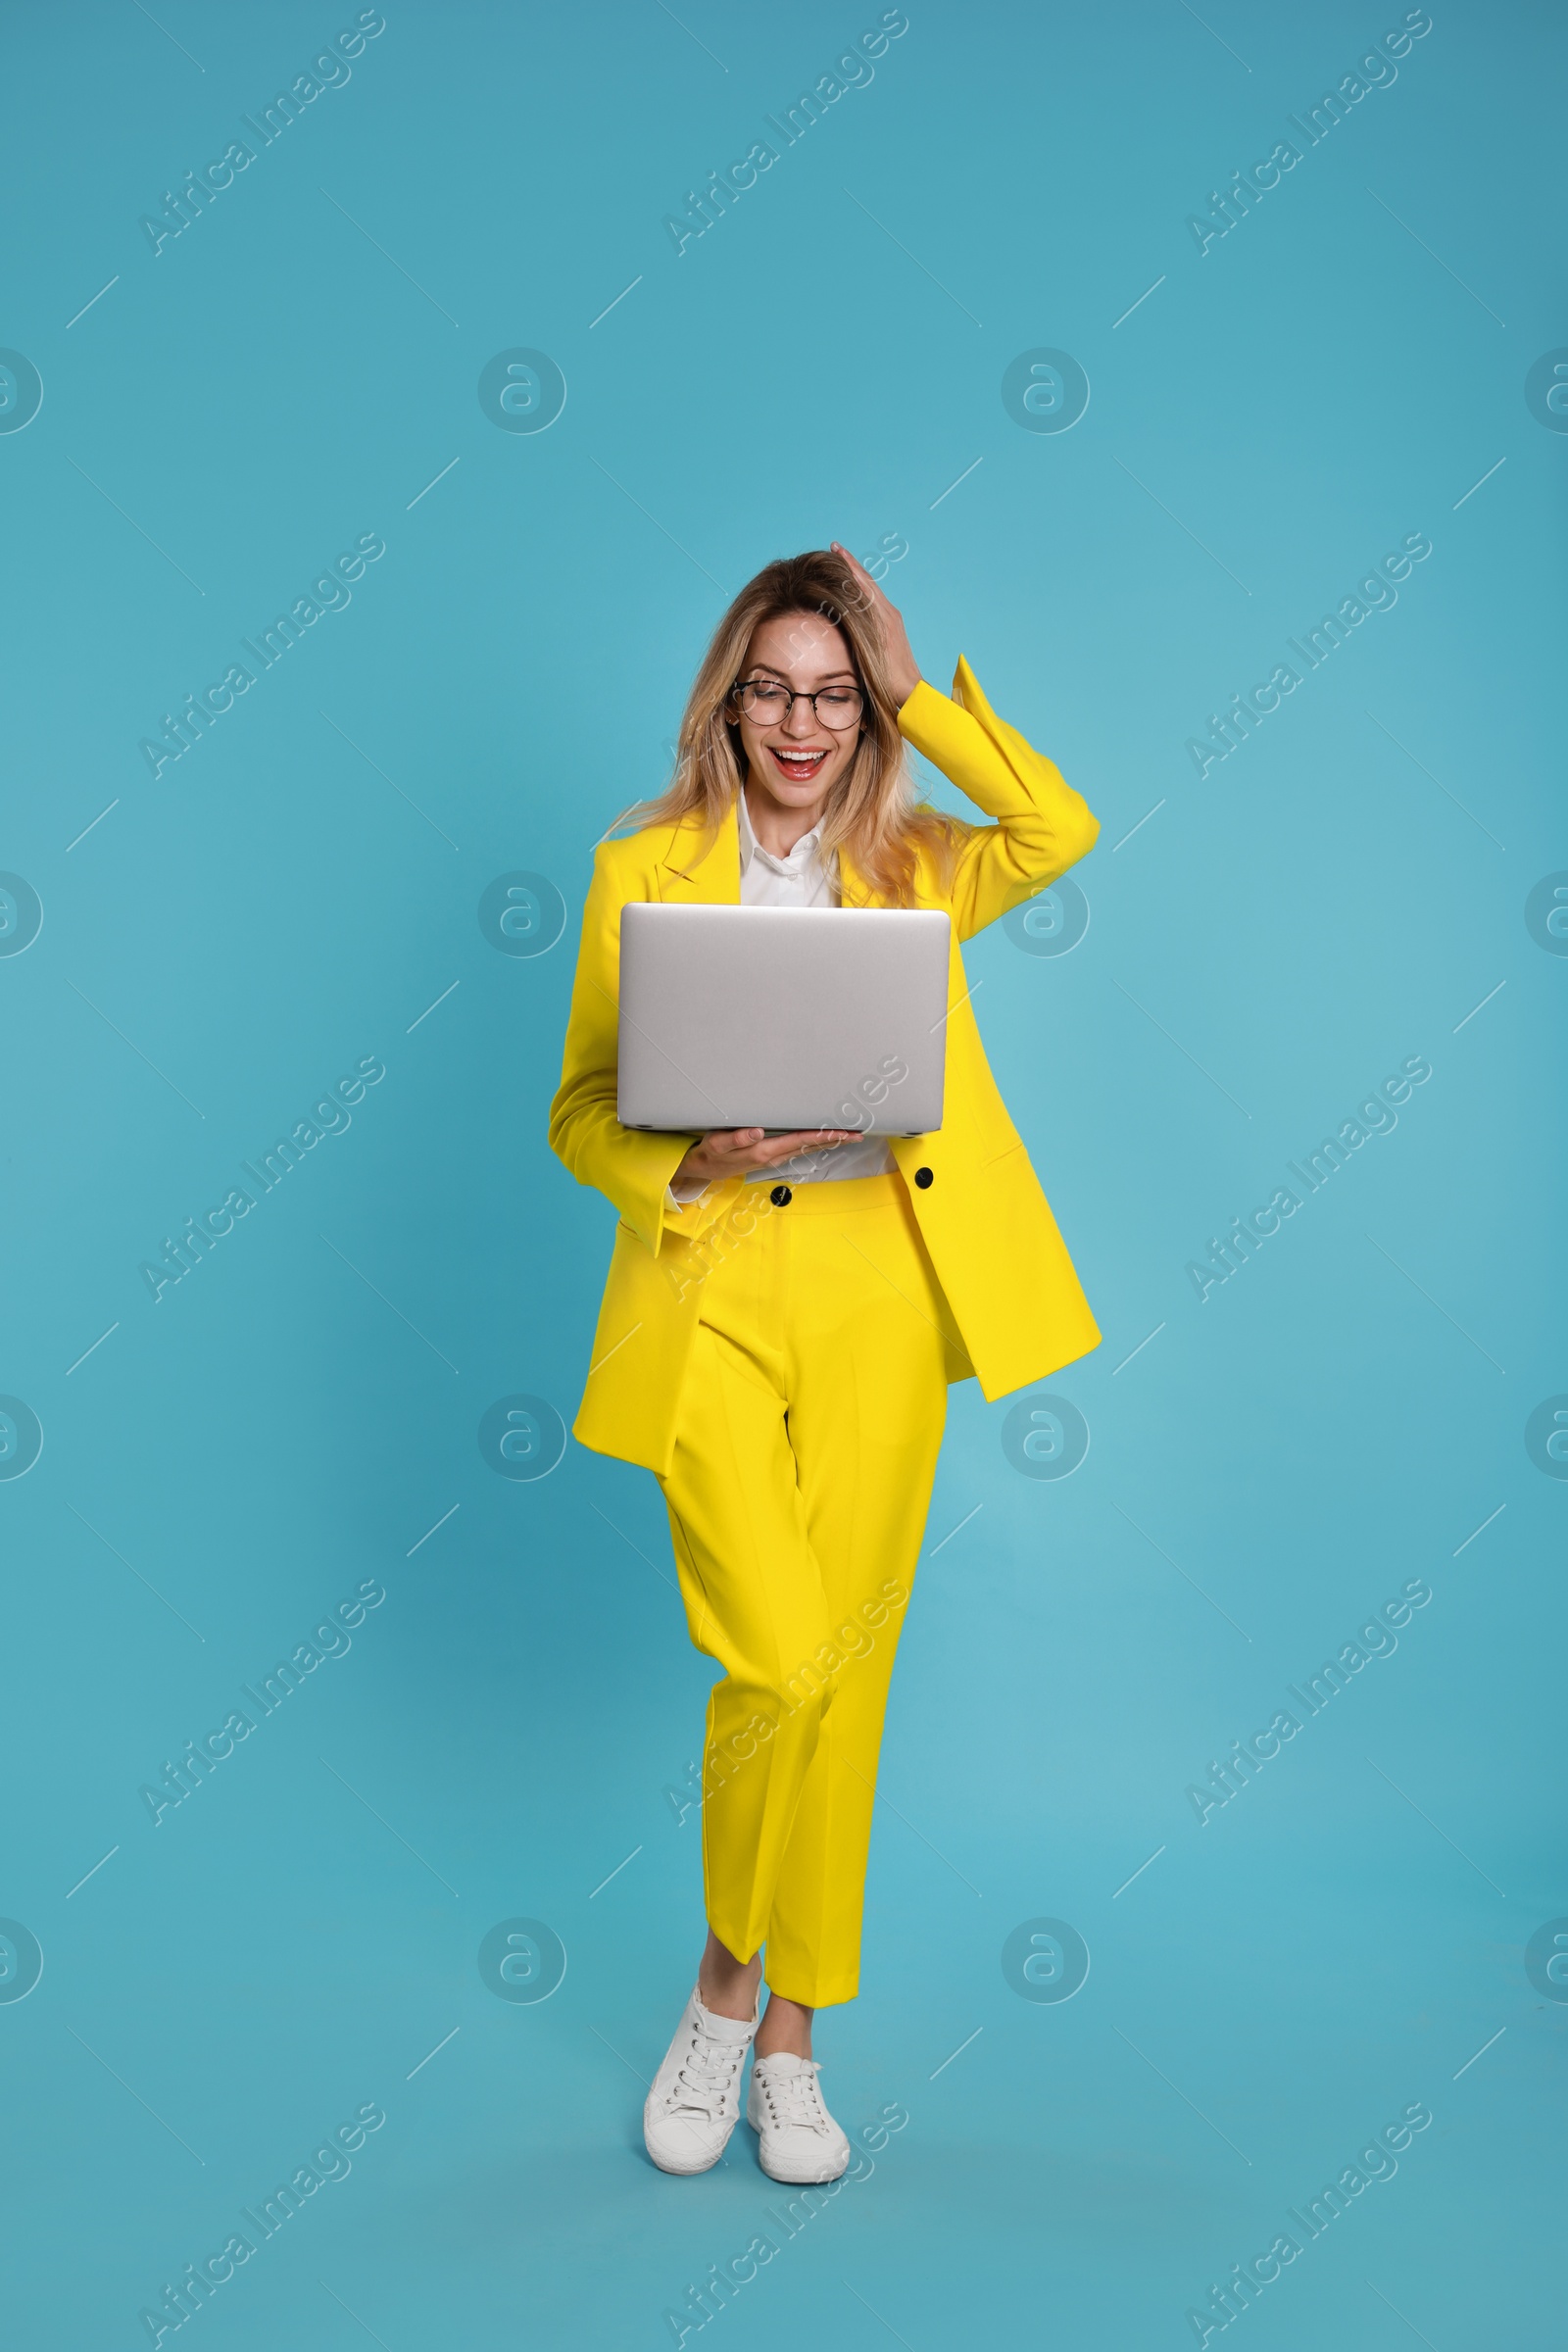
column 707, row 2078
column 794, row 2100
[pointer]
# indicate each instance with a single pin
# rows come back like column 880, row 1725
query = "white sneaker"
column 695, row 2103
column 800, row 2141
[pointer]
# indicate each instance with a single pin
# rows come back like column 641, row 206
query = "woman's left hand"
column 904, row 670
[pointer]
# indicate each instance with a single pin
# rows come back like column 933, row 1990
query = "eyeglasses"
column 767, row 704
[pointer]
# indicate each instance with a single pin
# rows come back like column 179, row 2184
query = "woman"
column 784, row 1313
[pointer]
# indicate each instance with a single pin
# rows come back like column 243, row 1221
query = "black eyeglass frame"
column 779, row 687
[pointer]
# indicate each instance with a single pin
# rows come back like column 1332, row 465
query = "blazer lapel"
column 688, row 874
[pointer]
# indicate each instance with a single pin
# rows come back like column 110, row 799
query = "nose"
column 802, row 719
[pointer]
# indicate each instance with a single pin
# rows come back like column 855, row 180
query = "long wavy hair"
column 874, row 812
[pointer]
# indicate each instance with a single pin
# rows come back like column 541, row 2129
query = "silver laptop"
column 783, row 1017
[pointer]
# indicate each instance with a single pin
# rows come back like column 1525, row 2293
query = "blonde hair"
column 874, row 812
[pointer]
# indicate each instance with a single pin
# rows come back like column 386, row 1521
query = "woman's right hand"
column 736, row 1151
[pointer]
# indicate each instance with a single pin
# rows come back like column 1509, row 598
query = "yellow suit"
column 993, row 1240
column 779, row 1357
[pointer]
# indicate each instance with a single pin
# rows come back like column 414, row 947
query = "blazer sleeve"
column 1041, row 824
column 631, row 1167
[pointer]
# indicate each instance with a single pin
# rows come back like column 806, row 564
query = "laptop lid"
column 783, row 1017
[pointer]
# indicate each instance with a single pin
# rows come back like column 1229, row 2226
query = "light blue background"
column 1276, row 1462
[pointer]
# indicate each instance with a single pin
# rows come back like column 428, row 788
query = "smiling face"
column 797, row 761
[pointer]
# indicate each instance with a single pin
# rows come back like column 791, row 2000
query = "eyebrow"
column 767, row 669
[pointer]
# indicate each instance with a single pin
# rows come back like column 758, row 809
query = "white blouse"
column 802, row 879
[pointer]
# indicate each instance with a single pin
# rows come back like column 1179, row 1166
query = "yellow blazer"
column 1003, row 1265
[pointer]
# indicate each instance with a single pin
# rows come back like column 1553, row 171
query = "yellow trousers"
column 807, row 1431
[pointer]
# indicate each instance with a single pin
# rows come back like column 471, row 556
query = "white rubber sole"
column 669, row 2164
column 817, row 2178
